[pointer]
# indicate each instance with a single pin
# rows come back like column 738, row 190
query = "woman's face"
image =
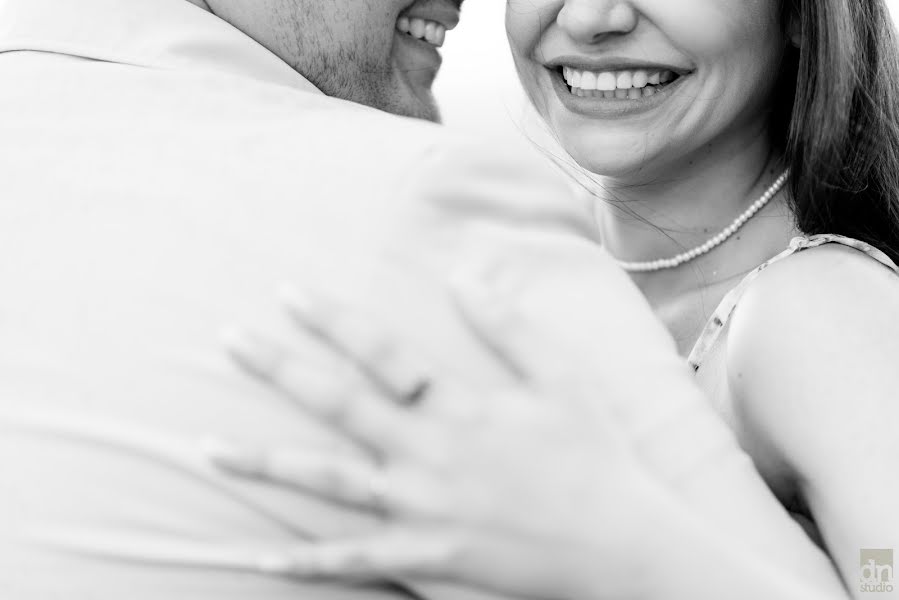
column 636, row 88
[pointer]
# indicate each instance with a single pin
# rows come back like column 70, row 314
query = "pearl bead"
column 720, row 238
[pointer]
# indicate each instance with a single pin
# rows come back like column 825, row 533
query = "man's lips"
column 431, row 32
column 443, row 12
column 418, row 59
column 429, row 20
column 421, row 29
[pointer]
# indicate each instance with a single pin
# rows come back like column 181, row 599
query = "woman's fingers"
column 398, row 371
column 336, row 396
column 487, row 301
column 402, row 554
column 489, row 563
column 342, row 479
column 392, row 367
column 579, row 342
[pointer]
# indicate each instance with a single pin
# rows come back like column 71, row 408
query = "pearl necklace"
column 726, row 233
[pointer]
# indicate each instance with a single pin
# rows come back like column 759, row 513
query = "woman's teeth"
column 622, row 85
column 430, row 31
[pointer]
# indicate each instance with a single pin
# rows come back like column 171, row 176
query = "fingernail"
column 311, row 310
column 299, row 563
column 275, row 564
column 233, row 457
column 251, row 352
column 300, row 303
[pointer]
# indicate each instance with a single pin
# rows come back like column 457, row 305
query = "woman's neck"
column 647, row 220
column 665, row 217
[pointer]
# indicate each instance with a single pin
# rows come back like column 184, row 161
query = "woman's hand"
column 505, row 490
column 559, row 486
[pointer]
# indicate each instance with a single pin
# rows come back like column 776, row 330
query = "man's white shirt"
column 162, row 175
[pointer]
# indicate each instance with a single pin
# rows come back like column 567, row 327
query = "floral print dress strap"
column 718, row 321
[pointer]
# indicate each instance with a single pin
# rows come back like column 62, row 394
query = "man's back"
column 146, row 206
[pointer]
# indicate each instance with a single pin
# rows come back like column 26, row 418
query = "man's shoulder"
column 236, row 130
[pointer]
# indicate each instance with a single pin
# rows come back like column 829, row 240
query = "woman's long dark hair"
column 838, row 120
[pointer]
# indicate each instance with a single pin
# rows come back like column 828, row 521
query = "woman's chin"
column 612, row 162
column 608, row 153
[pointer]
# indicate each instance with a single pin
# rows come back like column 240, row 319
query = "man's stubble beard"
column 328, row 48
column 355, row 66
column 350, row 75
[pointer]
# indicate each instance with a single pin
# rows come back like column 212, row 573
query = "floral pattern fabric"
column 718, row 321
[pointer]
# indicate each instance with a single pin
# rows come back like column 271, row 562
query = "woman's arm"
column 813, row 361
column 595, row 469
column 702, row 561
column 515, row 496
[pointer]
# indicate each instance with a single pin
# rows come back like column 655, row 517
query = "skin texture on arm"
column 812, row 356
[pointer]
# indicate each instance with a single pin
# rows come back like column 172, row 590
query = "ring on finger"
column 417, row 392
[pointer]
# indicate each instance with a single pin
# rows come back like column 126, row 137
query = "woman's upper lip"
column 613, row 63
column 445, row 12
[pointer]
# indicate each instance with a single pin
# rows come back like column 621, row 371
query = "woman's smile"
column 613, row 88
column 609, row 77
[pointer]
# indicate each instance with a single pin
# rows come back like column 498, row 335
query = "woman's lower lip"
column 610, row 108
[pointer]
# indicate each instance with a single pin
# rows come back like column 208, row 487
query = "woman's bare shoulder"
column 811, row 358
column 820, row 322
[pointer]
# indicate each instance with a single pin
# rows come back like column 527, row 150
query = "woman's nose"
column 590, row 21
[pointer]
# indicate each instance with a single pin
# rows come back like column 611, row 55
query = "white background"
column 477, row 88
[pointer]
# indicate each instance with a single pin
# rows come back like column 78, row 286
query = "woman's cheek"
column 525, row 26
column 714, row 27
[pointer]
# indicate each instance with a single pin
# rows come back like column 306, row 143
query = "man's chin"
column 417, row 103
column 398, row 95
column 425, row 109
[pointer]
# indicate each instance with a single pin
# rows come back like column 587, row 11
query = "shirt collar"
column 170, row 34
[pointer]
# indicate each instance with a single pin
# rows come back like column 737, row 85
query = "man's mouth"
column 429, row 20
column 626, row 84
column 431, row 32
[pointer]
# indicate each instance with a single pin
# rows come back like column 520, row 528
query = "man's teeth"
column 430, row 31
column 622, row 85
